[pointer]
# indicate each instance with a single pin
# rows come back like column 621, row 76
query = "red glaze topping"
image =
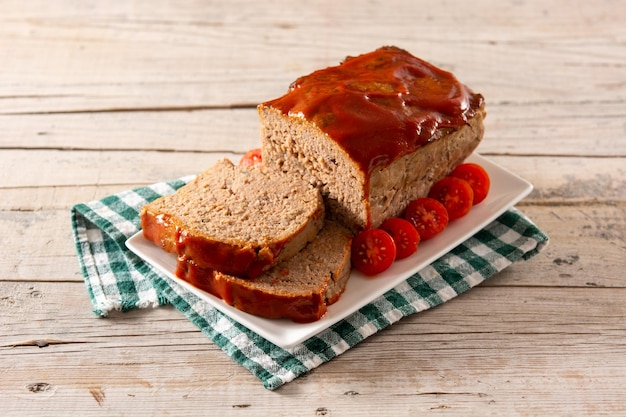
column 381, row 105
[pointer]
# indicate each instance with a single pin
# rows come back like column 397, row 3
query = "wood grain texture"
column 70, row 56
column 97, row 97
column 512, row 128
column 480, row 361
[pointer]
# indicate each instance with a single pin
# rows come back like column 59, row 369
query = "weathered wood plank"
column 192, row 131
column 117, row 57
column 586, row 250
column 457, row 358
column 28, row 173
column 542, row 128
column 58, row 168
column 579, row 202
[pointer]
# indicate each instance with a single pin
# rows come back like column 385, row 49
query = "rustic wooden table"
column 98, row 97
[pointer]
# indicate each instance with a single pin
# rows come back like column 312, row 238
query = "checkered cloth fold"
column 116, row 279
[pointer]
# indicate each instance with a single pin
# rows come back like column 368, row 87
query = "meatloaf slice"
column 240, row 221
column 372, row 133
column 299, row 289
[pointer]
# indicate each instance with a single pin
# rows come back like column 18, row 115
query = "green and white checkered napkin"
column 117, row 279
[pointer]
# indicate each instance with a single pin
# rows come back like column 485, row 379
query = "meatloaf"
column 241, row 221
column 373, row 133
column 299, row 289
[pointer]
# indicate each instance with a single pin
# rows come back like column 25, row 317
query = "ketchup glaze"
column 381, row 105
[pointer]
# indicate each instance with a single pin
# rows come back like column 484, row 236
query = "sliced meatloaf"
column 241, row 221
column 299, row 289
column 372, row 133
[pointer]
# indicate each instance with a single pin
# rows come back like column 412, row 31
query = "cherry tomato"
column 404, row 235
column 373, row 251
column 428, row 216
column 477, row 177
column 251, row 159
column 455, row 194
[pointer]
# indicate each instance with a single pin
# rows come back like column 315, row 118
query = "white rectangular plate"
column 506, row 190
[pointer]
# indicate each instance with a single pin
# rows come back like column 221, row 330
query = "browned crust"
column 326, row 260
